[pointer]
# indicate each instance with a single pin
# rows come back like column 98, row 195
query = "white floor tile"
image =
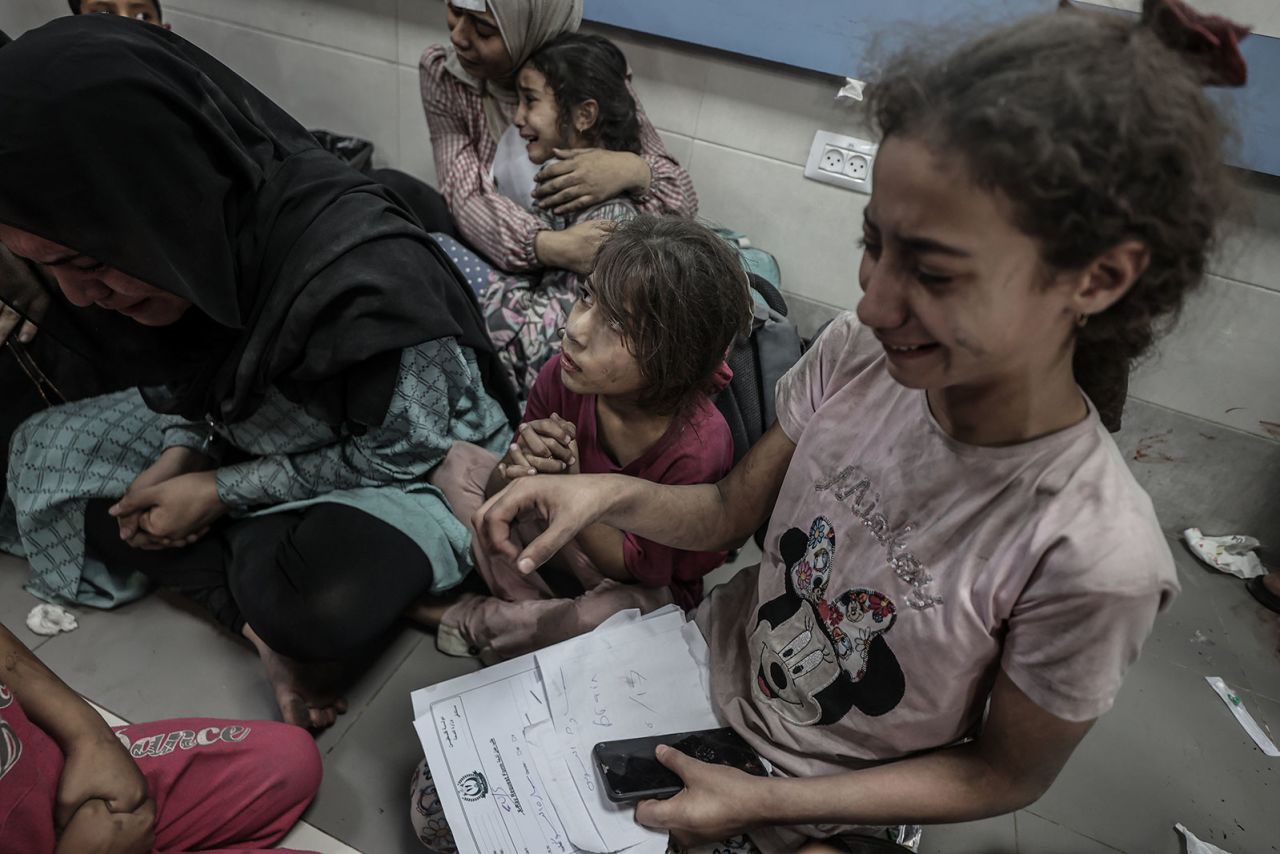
column 305, row 837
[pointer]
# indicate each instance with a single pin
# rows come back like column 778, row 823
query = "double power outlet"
column 844, row 161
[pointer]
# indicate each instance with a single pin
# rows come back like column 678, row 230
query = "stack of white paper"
column 510, row 746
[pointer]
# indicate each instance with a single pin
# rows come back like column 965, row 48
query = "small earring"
column 560, row 333
column 1082, row 320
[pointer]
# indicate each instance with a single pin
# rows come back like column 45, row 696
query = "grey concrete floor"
column 1169, row 751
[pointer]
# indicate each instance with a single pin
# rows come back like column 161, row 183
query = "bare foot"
column 293, row 682
column 428, row 611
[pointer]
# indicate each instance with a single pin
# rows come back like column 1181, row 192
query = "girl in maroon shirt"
column 642, row 349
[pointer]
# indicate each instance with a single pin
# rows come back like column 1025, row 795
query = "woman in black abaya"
column 305, row 355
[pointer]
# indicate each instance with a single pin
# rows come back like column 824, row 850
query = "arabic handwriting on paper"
column 578, row 764
column 499, row 802
column 601, row 718
column 561, row 790
column 555, row 661
column 448, row 727
column 526, row 781
column 636, row 692
column 612, row 686
column 617, row 687
column 516, row 740
column 542, row 809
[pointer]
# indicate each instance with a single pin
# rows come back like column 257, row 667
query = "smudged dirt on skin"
column 1272, row 428
column 1151, row 449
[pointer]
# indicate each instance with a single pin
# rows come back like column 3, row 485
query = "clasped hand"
column 171, row 504
column 545, row 446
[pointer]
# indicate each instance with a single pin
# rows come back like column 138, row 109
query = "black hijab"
column 134, row 147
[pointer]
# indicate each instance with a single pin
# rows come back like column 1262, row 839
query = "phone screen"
column 631, row 772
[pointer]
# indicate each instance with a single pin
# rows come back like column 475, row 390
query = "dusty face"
column 139, row 10
column 538, row 116
column 594, row 354
column 479, row 44
column 85, row 281
column 957, row 295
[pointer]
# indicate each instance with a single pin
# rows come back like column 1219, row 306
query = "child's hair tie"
column 1212, row 42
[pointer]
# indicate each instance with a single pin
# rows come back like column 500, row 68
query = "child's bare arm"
column 95, row 829
column 604, row 545
column 497, row 480
column 706, row 517
column 514, row 464
column 1012, row 763
column 97, row 765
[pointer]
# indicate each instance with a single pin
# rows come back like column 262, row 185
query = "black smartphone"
column 631, row 772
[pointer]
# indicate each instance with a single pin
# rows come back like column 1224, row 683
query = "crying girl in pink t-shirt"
column 959, row 567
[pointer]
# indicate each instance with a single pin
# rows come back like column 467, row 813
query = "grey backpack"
column 758, row 361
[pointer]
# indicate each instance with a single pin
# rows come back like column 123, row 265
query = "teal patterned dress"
column 63, row 457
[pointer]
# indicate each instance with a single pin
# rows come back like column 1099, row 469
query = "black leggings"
column 319, row 584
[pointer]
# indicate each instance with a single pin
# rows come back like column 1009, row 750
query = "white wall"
column 743, row 130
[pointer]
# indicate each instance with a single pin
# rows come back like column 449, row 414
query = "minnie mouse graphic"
column 819, row 657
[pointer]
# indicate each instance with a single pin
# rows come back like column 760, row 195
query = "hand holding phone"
column 631, row 772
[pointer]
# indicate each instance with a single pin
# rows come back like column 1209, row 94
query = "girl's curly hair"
column 1096, row 132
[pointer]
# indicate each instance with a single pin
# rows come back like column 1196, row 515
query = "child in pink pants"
column 70, row 784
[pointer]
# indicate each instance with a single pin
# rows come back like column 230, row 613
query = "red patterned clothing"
column 464, row 148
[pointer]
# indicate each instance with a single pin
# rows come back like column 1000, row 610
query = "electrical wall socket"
column 844, row 161
column 833, row 160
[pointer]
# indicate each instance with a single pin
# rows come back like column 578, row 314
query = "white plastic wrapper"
column 1232, row 554
column 1236, row 705
column 851, row 91
column 1195, row 846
